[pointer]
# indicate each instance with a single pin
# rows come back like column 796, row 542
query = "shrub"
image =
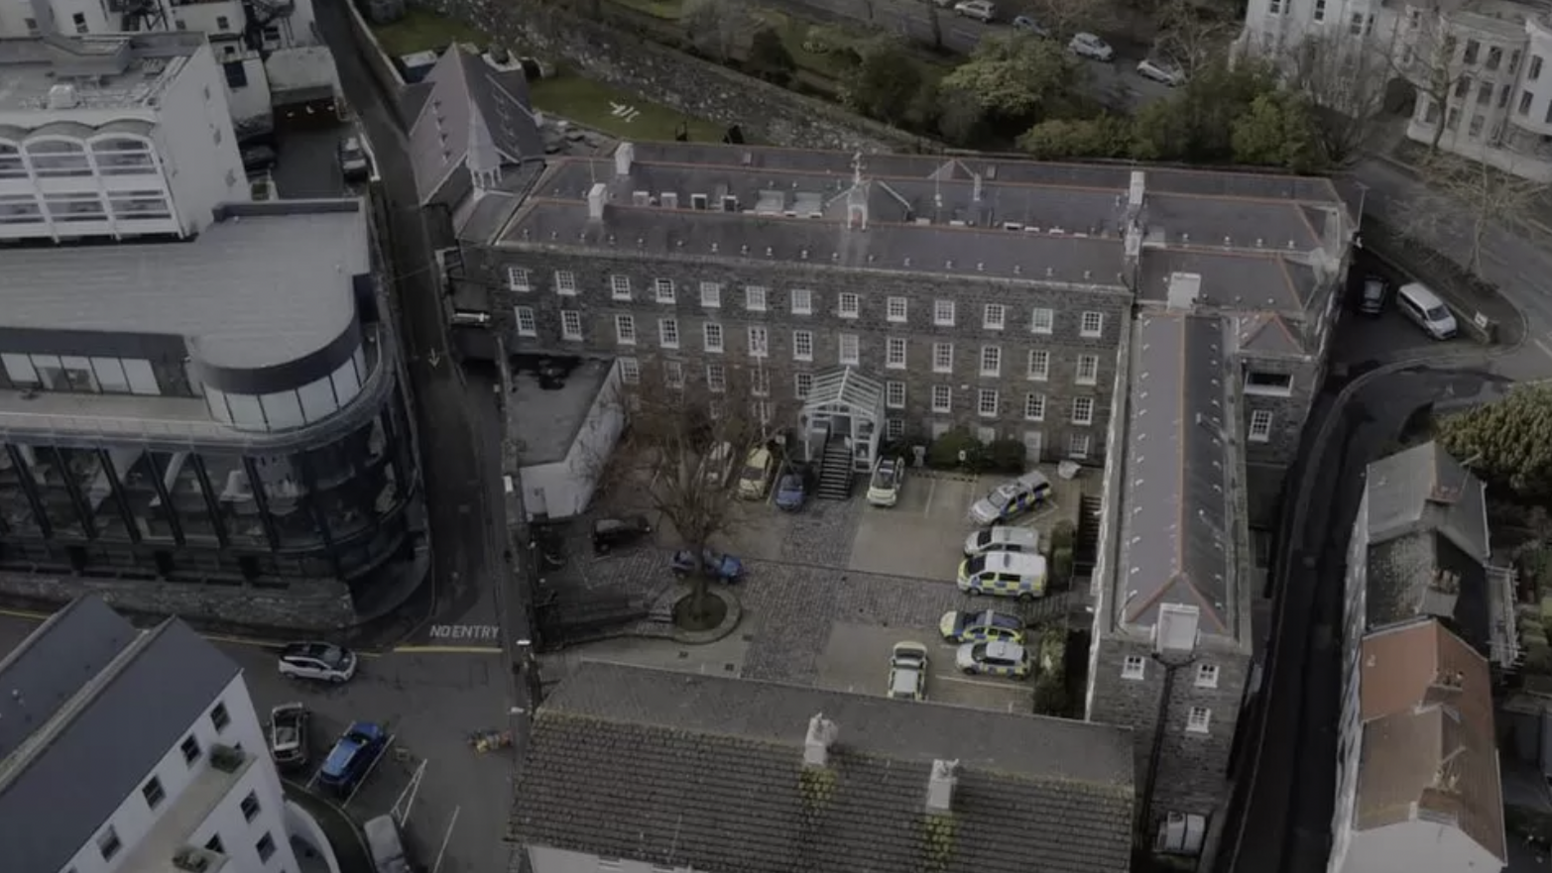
column 1061, row 564
column 1051, row 696
column 1062, row 535
column 1006, row 456
column 944, row 453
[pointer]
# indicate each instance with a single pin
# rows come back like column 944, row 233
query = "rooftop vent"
column 669, row 199
column 940, row 786
column 63, row 96
column 1137, row 190
column 596, row 197
column 1184, row 290
column 624, row 157
column 821, row 736
column 227, row 759
column 1450, row 679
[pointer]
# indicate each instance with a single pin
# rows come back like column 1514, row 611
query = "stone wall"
column 322, row 605
column 698, row 88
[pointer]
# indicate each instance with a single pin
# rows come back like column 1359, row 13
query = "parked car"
column 717, row 466
column 1004, row 574
column 999, row 658
column 908, row 671
column 1418, row 303
column 1029, row 25
column 354, row 164
column 888, row 476
column 1161, row 70
column 259, row 158
column 353, row 755
column 288, row 735
column 324, row 662
column 755, row 479
column 612, row 533
column 980, row 10
column 386, row 844
column 725, row 568
column 791, row 491
column 1003, row 538
column 1373, row 297
column 1087, row 45
column 981, row 627
column 1012, row 498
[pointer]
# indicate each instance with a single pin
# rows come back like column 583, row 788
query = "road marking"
column 1543, row 346
column 383, row 753
column 982, row 682
column 447, row 835
column 447, row 650
column 932, row 489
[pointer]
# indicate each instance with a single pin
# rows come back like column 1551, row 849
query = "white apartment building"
column 113, row 136
column 1477, row 67
column 129, row 751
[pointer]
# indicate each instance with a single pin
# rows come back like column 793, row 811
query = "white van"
column 386, row 844
column 1004, row 574
column 1424, row 307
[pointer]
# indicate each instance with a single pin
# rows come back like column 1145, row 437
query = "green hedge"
column 960, row 450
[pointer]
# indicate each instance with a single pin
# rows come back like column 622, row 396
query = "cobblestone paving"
column 822, row 534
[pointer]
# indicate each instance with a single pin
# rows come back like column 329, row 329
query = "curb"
column 735, row 613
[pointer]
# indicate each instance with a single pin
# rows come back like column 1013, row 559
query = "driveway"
column 856, row 659
column 308, row 165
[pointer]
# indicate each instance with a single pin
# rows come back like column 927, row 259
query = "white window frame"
column 1042, row 372
column 802, row 385
column 1042, row 320
column 1260, row 429
column 897, row 310
column 565, row 283
column 995, row 316
column 716, row 377
column 673, row 375
column 668, row 333
column 894, row 428
column 625, row 330
column 1199, row 720
column 894, row 395
column 1083, row 410
column 759, row 341
column 942, row 398
column 943, row 313
column 802, row 301
column 1268, row 390
column 1092, row 326
column 1134, row 667
column 711, row 295
column 755, row 297
column 1207, row 675
column 760, row 382
column 663, row 291
column 527, row 322
column 893, row 344
column 987, row 401
column 1079, row 445
column 848, row 349
column 1087, row 372
column 848, row 304
column 802, row 345
column 619, row 287
column 571, row 325
column 991, row 361
column 1034, row 407
column 942, row 357
column 519, row 280
column 713, row 337
column 630, row 371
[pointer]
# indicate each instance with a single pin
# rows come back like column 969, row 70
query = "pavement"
column 307, row 163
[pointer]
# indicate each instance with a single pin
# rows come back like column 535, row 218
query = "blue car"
column 353, row 756
column 725, row 568
column 791, row 492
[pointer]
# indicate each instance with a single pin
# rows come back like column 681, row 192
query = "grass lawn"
column 420, row 30
column 592, row 103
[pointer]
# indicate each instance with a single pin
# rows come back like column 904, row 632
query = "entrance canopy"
column 846, row 392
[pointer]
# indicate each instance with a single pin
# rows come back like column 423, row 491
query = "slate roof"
column 467, row 91
column 1267, row 333
column 705, row 772
column 148, row 688
column 1407, row 575
column 1258, row 281
column 1423, row 488
column 1176, row 520
column 1428, row 751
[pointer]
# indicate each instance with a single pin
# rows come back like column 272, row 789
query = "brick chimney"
column 816, row 746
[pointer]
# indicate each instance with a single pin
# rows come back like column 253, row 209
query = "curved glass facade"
column 212, row 514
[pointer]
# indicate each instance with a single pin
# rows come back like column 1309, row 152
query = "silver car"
column 1087, row 45
column 1160, row 70
column 323, row 662
column 354, row 163
column 908, row 671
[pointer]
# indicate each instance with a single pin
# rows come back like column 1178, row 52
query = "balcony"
column 163, row 847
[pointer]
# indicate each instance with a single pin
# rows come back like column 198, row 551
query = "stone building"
column 976, row 292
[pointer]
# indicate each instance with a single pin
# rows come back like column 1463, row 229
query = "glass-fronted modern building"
column 211, row 427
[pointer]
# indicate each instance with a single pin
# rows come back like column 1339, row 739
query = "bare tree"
column 1428, row 55
column 1063, row 18
column 1347, row 79
column 685, row 439
column 1189, row 36
column 1469, row 199
column 717, row 27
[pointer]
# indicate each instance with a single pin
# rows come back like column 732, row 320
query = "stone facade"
column 699, row 89
column 826, row 328
column 320, row 605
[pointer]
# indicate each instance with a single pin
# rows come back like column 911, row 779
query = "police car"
column 1012, row 498
column 1002, row 539
column 980, row 627
column 998, row 658
column 1004, row 574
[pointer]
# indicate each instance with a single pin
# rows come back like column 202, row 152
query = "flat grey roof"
column 134, row 697
column 28, row 68
column 1175, row 534
column 1272, row 281
column 547, row 422
column 263, row 286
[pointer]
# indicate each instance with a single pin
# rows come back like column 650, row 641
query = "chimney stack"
column 975, row 191
column 940, row 787
column 1184, row 290
column 816, row 746
column 596, row 197
column 624, row 157
column 1137, row 190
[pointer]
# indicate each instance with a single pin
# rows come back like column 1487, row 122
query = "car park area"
column 856, row 659
column 1389, row 335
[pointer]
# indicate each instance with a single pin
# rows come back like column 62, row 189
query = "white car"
column 1166, row 72
column 1012, row 498
column 884, row 486
column 323, row 662
column 980, row 10
column 908, row 671
column 717, row 466
column 1002, row 538
column 1087, row 45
